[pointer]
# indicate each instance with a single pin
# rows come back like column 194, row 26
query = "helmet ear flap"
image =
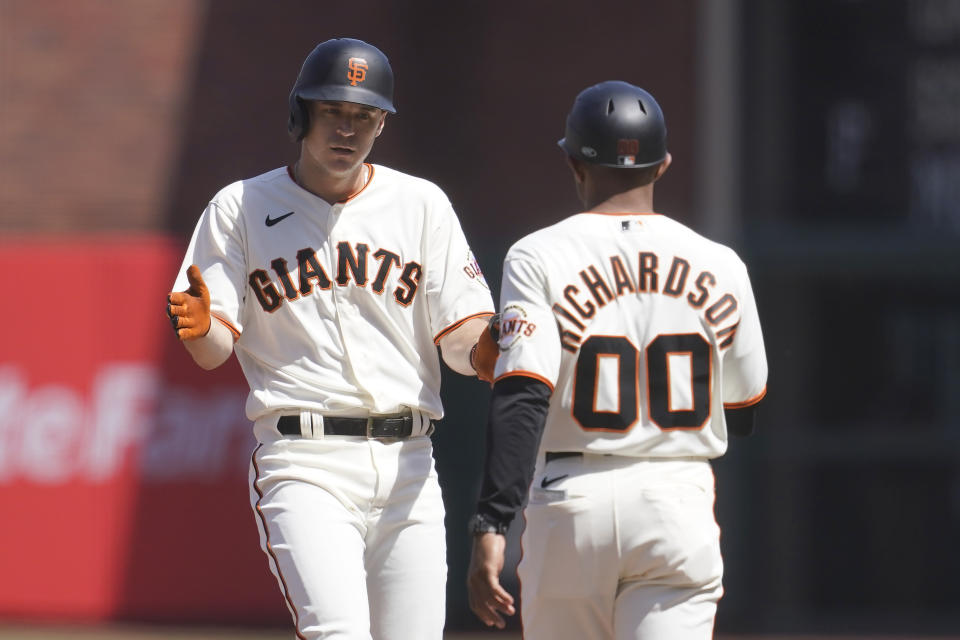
column 298, row 124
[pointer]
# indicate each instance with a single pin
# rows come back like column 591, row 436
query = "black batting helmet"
column 615, row 124
column 341, row 69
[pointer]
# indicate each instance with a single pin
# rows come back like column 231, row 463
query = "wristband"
column 480, row 524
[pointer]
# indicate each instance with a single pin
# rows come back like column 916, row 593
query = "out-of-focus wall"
column 92, row 98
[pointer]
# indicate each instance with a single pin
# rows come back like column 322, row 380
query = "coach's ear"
column 576, row 167
column 579, row 171
column 662, row 169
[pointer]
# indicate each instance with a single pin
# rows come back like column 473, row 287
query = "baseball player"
column 334, row 281
column 629, row 348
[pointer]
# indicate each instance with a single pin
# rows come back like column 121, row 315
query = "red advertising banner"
column 123, row 465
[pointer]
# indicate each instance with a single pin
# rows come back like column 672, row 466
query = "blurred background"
column 820, row 138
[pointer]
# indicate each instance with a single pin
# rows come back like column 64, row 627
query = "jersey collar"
column 369, row 178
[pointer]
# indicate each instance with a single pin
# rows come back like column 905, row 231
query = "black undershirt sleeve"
column 518, row 412
column 742, row 421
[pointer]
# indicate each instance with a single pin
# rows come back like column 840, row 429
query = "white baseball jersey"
column 644, row 330
column 338, row 307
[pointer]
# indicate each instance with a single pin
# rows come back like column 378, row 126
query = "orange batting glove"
column 189, row 311
column 484, row 354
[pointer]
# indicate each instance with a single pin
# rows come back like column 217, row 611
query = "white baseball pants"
column 621, row 549
column 353, row 530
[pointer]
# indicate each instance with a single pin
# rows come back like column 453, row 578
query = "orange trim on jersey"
column 458, row 323
column 365, row 185
column 746, row 403
column 228, row 325
column 527, row 374
column 270, row 551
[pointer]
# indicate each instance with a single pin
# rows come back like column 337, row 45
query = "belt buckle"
column 369, row 427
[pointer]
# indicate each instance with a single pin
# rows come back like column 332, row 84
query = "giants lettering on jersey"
column 581, row 305
column 351, row 266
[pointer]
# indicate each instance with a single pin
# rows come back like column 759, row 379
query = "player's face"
column 341, row 135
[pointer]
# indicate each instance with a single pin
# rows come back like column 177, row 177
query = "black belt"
column 556, row 455
column 400, row 427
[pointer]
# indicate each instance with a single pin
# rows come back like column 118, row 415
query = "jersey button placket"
column 347, row 313
column 332, row 240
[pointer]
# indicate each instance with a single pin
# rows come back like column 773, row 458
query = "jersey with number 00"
column 644, row 329
column 338, row 307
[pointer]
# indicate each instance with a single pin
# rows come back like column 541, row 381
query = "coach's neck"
column 614, row 190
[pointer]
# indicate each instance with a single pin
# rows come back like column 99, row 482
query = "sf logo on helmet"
column 358, row 70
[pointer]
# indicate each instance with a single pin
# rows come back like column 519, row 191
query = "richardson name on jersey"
column 583, row 298
column 352, row 265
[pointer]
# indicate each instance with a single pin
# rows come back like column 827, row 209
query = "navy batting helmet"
column 342, row 69
column 615, row 124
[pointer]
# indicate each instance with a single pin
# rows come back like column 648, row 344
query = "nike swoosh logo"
column 546, row 482
column 272, row 221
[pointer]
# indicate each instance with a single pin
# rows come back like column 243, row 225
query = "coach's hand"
column 189, row 311
column 487, row 598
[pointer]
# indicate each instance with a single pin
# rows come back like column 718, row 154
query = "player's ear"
column 383, row 120
column 662, row 169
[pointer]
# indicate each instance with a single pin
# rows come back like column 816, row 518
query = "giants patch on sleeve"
column 514, row 325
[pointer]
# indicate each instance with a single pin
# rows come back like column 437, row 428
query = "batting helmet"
column 615, row 124
column 341, row 69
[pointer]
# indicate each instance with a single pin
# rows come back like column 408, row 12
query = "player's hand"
column 483, row 356
column 488, row 600
column 189, row 311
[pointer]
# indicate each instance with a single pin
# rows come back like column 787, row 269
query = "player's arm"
column 209, row 343
column 471, row 349
column 518, row 411
column 459, row 298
